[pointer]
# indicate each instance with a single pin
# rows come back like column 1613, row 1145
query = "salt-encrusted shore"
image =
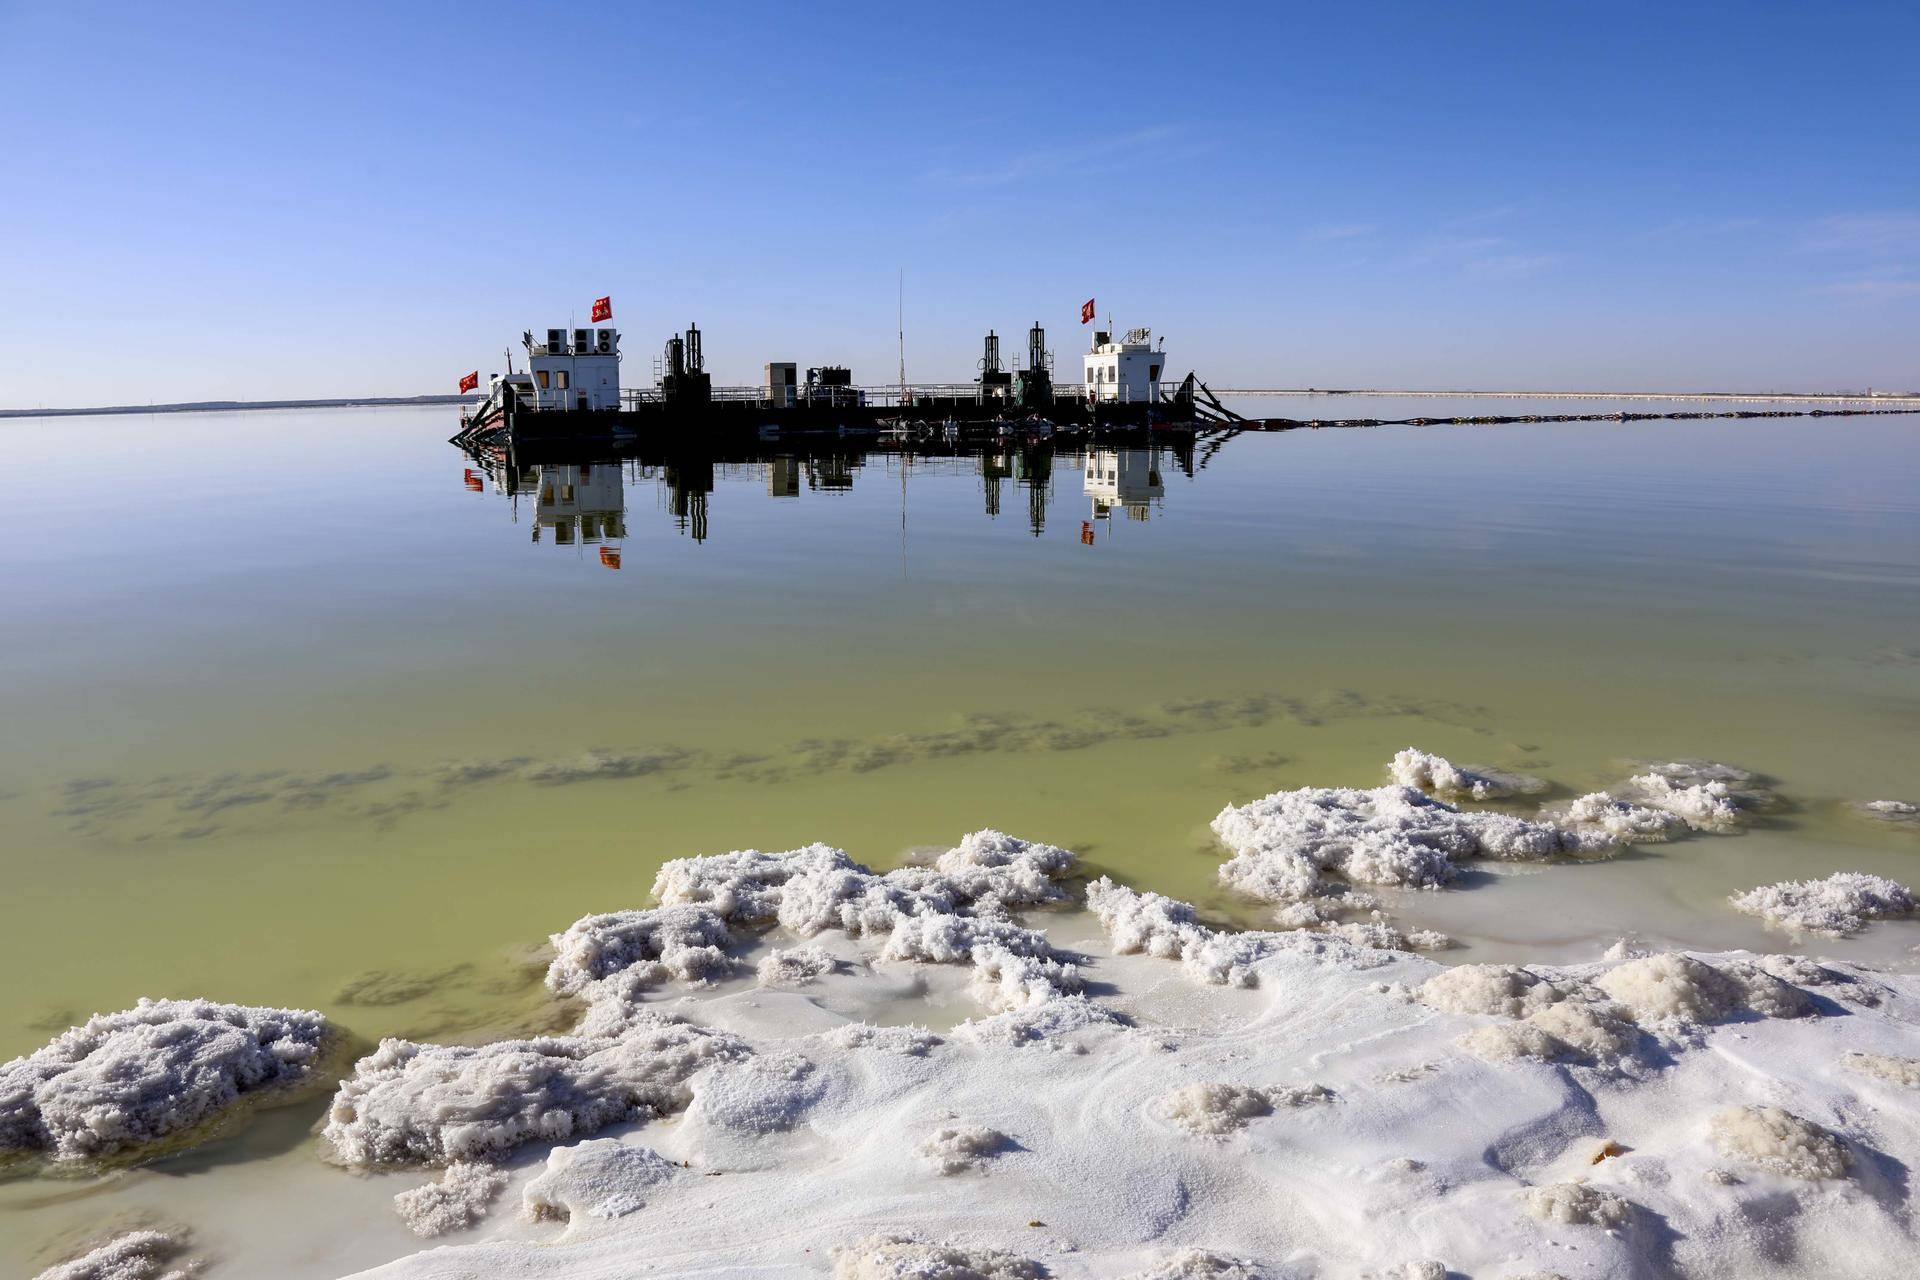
column 1141, row 1093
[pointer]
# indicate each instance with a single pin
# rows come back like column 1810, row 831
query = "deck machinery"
column 683, row 399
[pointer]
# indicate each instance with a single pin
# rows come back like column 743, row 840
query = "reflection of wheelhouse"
column 583, row 503
column 1125, row 478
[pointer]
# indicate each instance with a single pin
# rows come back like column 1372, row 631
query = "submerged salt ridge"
column 1736, row 1118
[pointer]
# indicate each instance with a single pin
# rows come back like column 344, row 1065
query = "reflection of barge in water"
column 578, row 487
column 571, row 391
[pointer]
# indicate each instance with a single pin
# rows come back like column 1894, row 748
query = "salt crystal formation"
column 1200, row 1264
column 1284, row 844
column 892, row 1257
column 795, row 966
column 458, row 1200
column 125, row 1080
column 137, row 1255
column 1894, row 1070
column 410, row 1103
column 1169, row 929
column 1211, row 1109
column 953, row 912
column 956, row 1148
column 1843, row 903
column 688, row 943
column 1576, row 1204
column 1439, row 776
column 1600, row 1020
column 601, row 1178
column 817, row 888
column 1779, row 1142
column 908, row 1042
column 1895, row 813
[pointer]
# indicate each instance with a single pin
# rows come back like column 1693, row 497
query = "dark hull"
column 743, row 421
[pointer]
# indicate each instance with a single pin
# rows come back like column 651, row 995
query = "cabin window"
column 560, row 379
column 545, row 381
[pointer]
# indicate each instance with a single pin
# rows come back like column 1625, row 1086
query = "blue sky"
column 205, row 200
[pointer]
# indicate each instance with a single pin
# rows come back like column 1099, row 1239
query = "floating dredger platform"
column 571, row 392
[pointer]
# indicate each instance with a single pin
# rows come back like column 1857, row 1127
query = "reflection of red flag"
column 471, row 381
column 1086, row 311
column 610, row 557
column 602, row 309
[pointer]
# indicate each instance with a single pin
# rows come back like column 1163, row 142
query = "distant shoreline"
column 216, row 406
column 374, row 402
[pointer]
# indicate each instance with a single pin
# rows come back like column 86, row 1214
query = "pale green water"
column 210, row 617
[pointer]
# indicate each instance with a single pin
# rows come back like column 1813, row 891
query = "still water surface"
column 306, row 708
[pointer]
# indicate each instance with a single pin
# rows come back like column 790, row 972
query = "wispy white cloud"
column 1486, row 257
column 1877, row 233
column 1495, row 213
column 1890, row 284
column 1698, row 227
column 1102, row 155
column 1340, row 231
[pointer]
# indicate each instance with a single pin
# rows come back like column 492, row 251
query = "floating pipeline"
column 1494, row 420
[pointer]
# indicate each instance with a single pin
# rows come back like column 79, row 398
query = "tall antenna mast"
column 900, row 316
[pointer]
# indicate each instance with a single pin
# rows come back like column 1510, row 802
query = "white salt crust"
column 1576, row 1204
column 1285, row 844
column 1200, row 1264
column 823, row 1139
column 1842, row 903
column 123, row 1081
column 136, row 1255
column 956, row 1148
column 1439, row 776
column 1884, row 1066
column 1213, row 1109
column 458, row 1200
column 410, row 1103
column 795, row 966
column 1777, row 1141
column 894, row 1257
column 599, row 1178
column 803, row 1139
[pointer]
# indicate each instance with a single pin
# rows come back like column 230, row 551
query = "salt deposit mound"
column 1843, row 903
column 1894, row 1070
column 458, row 1200
column 1283, row 844
column 1778, row 1142
column 601, row 1178
column 1597, row 1014
column 1210, row 1109
column 989, row 873
column 1200, row 1264
column 1900, row 814
column 1439, row 776
column 1577, row 1204
column 137, row 1255
column 1157, row 925
column 885, row 1257
column 688, row 943
column 123, row 1081
column 956, row 1148
column 1599, row 819
column 795, row 966
column 412, row 1103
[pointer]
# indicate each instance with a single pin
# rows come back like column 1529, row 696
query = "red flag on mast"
column 469, row 382
column 1086, row 311
column 602, row 309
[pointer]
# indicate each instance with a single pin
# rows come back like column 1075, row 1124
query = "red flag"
column 602, row 309
column 1086, row 311
column 610, row 557
column 469, row 382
